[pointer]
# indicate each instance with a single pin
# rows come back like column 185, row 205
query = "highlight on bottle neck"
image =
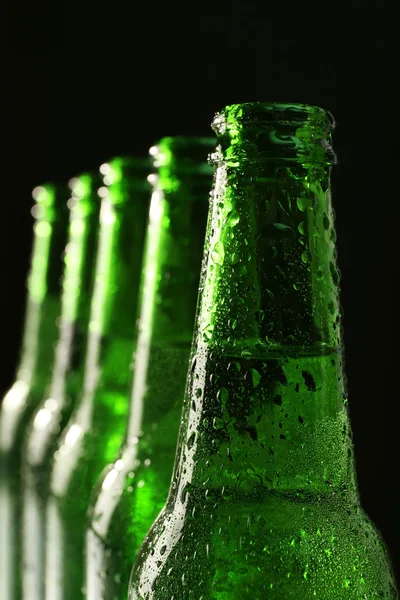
column 43, row 211
column 181, row 181
column 122, row 176
column 259, row 131
column 82, row 207
column 84, row 193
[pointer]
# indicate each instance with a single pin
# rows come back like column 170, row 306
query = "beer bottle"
column 95, row 431
column 131, row 492
column 54, row 410
column 264, row 502
column 51, row 214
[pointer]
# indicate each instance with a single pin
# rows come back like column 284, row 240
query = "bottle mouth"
column 276, row 131
column 50, row 201
column 85, row 185
column 183, row 155
column 44, row 195
column 124, row 173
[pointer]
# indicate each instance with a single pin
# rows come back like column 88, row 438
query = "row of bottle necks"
column 91, row 427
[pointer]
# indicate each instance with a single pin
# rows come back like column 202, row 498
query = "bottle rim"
column 255, row 132
column 248, row 113
column 183, row 154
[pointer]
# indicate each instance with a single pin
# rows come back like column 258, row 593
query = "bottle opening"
column 273, row 131
column 183, row 155
column 124, row 174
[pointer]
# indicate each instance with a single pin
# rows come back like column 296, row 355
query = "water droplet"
column 302, row 227
column 234, row 324
column 309, row 381
column 208, row 331
column 245, row 352
column 190, row 441
column 319, row 273
column 334, row 273
column 304, row 203
column 234, row 258
column 163, row 549
column 259, row 315
column 255, row 377
column 305, row 257
column 277, row 231
column 223, row 394
column 218, row 253
column 218, row 423
column 233, row 218
column 277, row 400
column 198, row 392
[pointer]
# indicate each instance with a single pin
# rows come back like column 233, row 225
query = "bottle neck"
column 171, row 270
column 265, row 404
column 272, row 280
column 43, row 286
column 76, row 289
column 114, row 300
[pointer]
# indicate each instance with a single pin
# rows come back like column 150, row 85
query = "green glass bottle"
column 132, row 491
column 54, row 410
column 51, row 215
column 95, row 431
column 264, row 502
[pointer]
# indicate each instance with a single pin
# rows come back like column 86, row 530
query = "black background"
column 84, row 90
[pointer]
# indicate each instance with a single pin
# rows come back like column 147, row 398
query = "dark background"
column 86, row 90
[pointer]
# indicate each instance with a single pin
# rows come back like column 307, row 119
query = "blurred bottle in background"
column 51, row 214
column 95, row 431
column 132, row 490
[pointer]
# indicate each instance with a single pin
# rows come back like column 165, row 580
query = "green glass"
column 131, row 492
column 264, row 502
column 54, row 410
column 51, row 215
column 94, row 433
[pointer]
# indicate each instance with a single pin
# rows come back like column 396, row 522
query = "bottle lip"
column 85, row 186
column 255, row 132
column 183, row 154
column 258, row 113
column 184, row 141
column 50, row 201
column 119, row 166
column 123, row 172
column 44, row 194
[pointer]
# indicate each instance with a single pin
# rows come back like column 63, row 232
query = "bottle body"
column 95, row 431
column 132, row 491
column 33, row 374
column 54, row 410
column 263, row 501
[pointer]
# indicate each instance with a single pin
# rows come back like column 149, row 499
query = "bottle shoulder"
column 44, row 429
column 90, row 440
column 16, row 410
column 115, row 481
column 272, row 548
